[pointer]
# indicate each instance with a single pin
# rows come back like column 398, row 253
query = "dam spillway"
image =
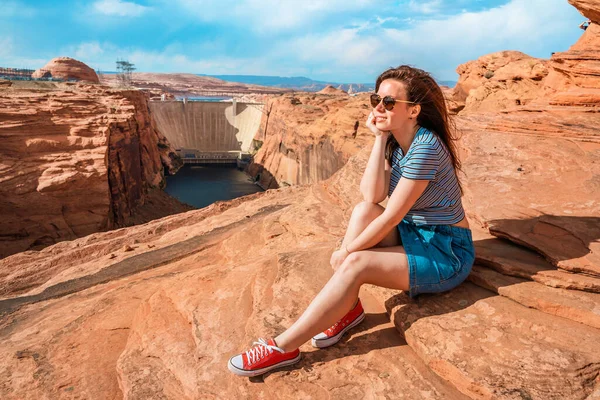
column 199, row 129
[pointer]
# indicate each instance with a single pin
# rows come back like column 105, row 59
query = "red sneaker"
column 334, row 334
column 262, row 357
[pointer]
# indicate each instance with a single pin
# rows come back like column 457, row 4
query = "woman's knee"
column 353, row 265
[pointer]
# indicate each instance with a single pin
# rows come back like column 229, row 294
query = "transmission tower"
column 124, row 70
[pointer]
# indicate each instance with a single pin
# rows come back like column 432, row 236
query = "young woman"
column 420, row 243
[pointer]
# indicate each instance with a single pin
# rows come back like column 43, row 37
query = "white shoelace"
column 332, row 328
column 260, row 351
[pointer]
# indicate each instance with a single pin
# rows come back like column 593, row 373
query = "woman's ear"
column 415, row 110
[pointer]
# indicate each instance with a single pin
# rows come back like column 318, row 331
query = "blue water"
column 213, row 98
column 202, row 185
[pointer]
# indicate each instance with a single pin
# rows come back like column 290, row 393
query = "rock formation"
column 357, row 87
column 77, row 159
column 329, row 89
column 305, row 139
column 573, row 78
column 512, row 80
column 589, row 8
column 160, row 327
column 67, row 68
column 155, row 311
column 498, row 81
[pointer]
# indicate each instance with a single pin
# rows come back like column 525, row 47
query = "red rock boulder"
column 475, row 73
column 498, row 81
column 67, row 68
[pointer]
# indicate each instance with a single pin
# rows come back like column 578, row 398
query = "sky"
column 342, row 41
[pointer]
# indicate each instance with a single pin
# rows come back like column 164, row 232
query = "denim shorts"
column 440, row 257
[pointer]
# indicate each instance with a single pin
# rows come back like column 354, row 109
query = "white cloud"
column 438, row 45
column 519, row 25
column 119, row 8
column 425, row 7
column 88, row 50
column 9, row 59
column 344, row 47
column 157, row 61
column 265, row 16
column 95, row 54
column 382, row 21
column 373, row 23
column 341, row 54
column 103, row 56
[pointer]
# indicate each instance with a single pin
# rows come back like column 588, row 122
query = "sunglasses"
column 388, row 101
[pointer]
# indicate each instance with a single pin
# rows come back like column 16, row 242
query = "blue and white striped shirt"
column 429, row 159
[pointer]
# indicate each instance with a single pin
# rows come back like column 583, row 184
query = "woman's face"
column 399, row 117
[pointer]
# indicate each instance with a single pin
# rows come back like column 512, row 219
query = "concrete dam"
column 208, row 131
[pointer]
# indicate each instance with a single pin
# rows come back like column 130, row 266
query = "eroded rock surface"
column 170, row 301
column 491, row 347
column 77, row 159
column 306, row 138
column 206, row 284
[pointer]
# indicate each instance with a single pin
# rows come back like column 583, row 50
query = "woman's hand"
column 373, row 128
column 337, row 258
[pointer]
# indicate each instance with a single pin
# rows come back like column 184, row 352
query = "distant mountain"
column 302, row 83
column 295, row 83
column 450, row 84
column 299, row 83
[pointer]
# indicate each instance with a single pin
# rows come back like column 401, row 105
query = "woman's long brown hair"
column 422, row 89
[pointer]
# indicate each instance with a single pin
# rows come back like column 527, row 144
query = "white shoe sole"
column 261, row 371
column 322, row 343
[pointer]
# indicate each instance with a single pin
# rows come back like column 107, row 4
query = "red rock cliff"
column 75, row 159
column 573, row 79
column 308, row 137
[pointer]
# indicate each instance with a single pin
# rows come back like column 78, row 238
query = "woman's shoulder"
column 427, row 140
column 426, row 136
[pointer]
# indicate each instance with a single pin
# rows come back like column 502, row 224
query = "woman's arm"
column 375, row 179
column 420, row 168
column 406, row 193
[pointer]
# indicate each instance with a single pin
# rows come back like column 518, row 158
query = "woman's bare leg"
column 386, row 267
column 362, row 215
column 341, row 292
column 333, row 301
